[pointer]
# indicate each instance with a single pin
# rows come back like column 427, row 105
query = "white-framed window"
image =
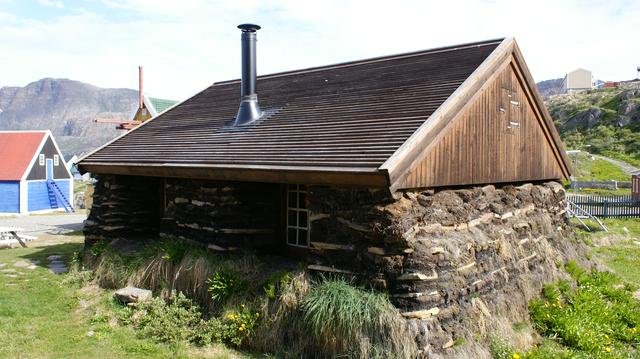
column 297, row 216
column 56, row 160
column 41, row 159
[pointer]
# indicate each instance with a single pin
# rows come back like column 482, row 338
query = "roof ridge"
column 371, row 60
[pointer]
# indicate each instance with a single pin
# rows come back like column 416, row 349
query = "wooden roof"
column 354, row 123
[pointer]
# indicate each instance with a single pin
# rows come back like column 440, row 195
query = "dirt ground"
column 54, row 223
column 48, row 228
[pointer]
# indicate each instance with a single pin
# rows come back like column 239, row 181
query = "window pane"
column 303, row 187
column 293, row 199
column 302, row 222
column 292, row 187
column 302, row 200
column 291, row 235
column 302, row 237
column 293, row 220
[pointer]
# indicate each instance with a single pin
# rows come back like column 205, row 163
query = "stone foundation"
column 456, row 262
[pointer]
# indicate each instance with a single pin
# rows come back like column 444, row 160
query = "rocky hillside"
column 68, row 109
column 603, row 121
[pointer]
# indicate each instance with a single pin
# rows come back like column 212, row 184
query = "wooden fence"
column 607, row 206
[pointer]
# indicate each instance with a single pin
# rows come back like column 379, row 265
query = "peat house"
column 431, row 174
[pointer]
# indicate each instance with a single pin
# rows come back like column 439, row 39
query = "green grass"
column 633, row 160
column 624, row 259
column 587, row 169
column 602, row 191
column 598, row 318
column 593, row 316
column 40, row 317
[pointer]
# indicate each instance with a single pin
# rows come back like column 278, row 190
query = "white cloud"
column 187, row 45
column 51, row 3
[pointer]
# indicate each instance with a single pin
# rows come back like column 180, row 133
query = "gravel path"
column 52, row 224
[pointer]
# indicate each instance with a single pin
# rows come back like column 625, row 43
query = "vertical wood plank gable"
column 486, row 145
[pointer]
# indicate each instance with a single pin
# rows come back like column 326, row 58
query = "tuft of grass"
column 340, row 315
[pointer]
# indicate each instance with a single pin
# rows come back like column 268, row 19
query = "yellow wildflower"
column 241, row 329
column 607, row 349
column 516, row 356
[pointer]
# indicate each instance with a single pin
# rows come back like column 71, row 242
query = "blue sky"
column 188, row 44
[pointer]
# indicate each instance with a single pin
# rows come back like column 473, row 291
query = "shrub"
column 238, row 324
column 226, row 283
column 99, row 247
column 177, row 320
column 169, row 250
column 273, row 284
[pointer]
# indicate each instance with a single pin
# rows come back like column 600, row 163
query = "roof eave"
column 270, row 174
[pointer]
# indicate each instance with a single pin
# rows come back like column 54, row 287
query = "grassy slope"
column 614, row 133
column 623, row 257
column 586, row 169
column 42, row 318
column 579, row 327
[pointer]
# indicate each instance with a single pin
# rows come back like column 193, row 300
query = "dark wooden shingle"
column 342, row 118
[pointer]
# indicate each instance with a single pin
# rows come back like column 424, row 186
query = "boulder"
column 132, row 295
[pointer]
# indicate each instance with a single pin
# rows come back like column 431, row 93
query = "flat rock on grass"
column 56, row 265
column 132, row 295
column 21, row 264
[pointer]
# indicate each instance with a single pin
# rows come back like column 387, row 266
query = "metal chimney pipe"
column 249, row 110
column 140, row 87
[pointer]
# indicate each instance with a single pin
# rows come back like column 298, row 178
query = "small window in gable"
column 41, row 160
column 56, row 160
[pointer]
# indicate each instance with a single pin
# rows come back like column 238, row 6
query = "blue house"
column 33, row 174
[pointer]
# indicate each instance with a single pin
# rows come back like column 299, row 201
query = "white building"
column 577, row 81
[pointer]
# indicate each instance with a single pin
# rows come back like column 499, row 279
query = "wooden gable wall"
column 499, row 137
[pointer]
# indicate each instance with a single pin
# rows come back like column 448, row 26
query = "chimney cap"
column 249, row 27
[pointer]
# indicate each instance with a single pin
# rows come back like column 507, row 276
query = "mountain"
column 550, row 87
column 68, row 109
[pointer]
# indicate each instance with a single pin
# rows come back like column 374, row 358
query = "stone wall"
column 124, row 206
column 455, row 262
column 226, row 214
